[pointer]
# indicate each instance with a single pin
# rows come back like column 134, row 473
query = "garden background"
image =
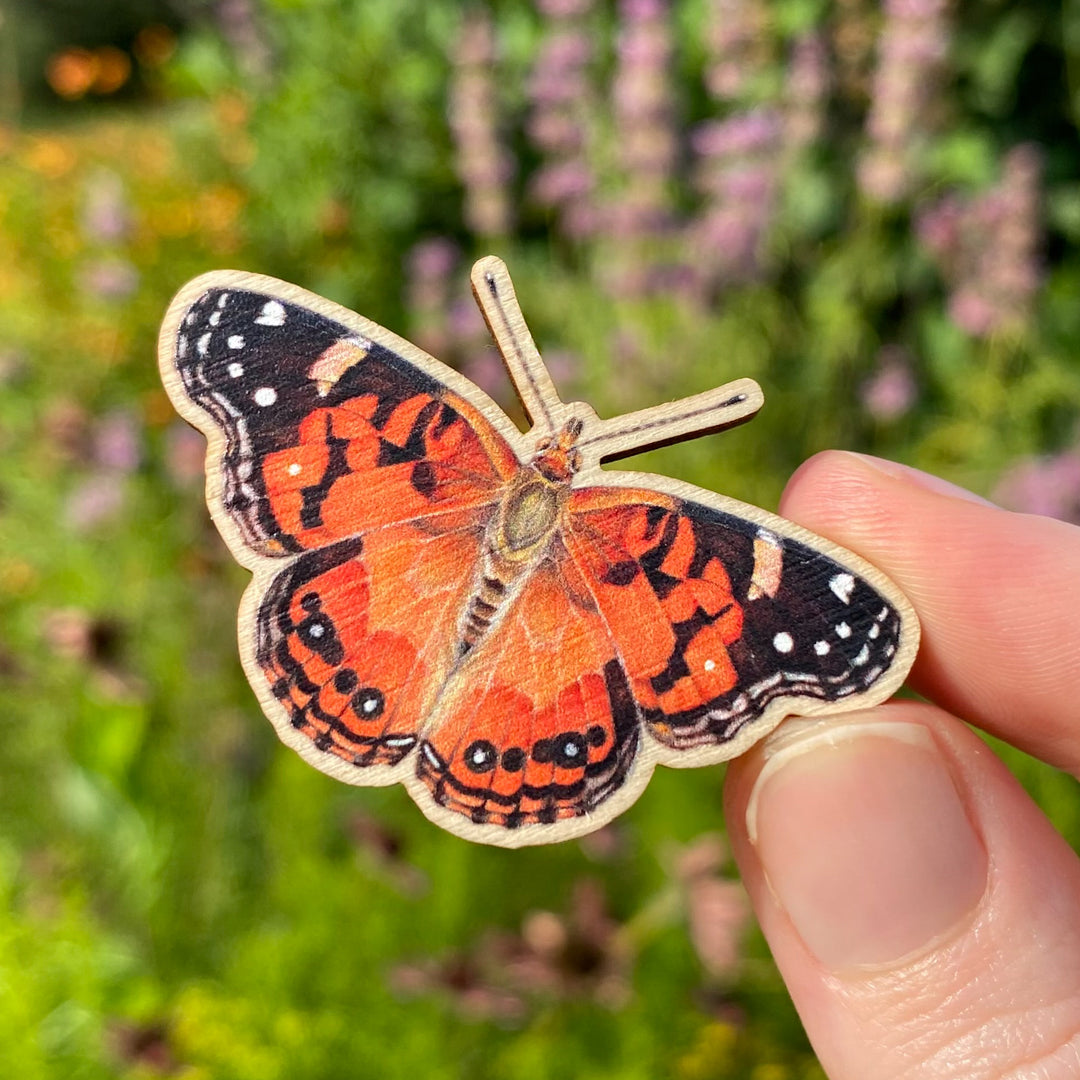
column 872, row 209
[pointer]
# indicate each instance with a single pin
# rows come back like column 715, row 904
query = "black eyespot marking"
column 571, row 750
column 345, row 681
column 596, row 736
column 368, row 703
column 481, row 756
column 310, row 602
column 542, row 750
column 513, row 760
column 318, row 634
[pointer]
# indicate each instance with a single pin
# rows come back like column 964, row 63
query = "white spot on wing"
column 215, row 318
column 223, row 299
column 821, row 648
column 272, row 314
column 864, row 655
column 709, row 665
column 842, row 586
column 783, row 642
column 294, row 469
column 235, row 341
column 235, row 370
column 181, row 347
column 203, row 344
column 264, row 396
column 843, row 630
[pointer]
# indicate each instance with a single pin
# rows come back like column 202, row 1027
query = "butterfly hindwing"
column 540, row 726
column 355, row 640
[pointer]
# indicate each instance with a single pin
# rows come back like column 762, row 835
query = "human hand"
column 921, row 908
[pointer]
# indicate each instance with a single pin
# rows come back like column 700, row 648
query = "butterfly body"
column 486, row 616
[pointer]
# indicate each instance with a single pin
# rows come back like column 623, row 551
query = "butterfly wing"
column 725, row 623
column 355, row 476
column 321, row 424
column 537, row 737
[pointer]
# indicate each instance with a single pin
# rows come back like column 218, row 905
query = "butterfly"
column 486, row 616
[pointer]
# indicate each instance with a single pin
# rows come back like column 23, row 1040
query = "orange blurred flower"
column 219, row 207
column 113, row 69
column 154, row 45
column 75, row 72
column 71, row 73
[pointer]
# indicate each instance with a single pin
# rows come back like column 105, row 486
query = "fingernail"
column 921, row 479
column 864, row 839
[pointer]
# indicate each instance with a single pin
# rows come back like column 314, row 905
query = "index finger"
column 997, row 593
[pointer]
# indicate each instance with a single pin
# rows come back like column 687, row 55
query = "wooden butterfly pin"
column 486, row 616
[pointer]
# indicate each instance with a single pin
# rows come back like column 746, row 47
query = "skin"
column 922, row 910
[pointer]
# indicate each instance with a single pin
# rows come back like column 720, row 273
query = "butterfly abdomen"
column 482, row 610
column 517, row 539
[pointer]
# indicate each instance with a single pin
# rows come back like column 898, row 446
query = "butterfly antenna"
column 494, row 292
column 702, row 414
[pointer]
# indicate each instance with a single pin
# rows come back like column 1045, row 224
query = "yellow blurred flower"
column 48, row 156
column 154, row 155
column 219, row 207
column 231, row 110
column 171, row 219
column 17, row 577
column 770, row 1072
column 713, row 1053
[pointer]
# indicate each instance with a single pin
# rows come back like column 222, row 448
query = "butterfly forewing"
column 327, row 432
column 718, row 616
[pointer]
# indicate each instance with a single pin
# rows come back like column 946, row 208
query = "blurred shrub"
column 858, row 209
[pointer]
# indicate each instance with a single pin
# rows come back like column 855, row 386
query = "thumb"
column 922, row 910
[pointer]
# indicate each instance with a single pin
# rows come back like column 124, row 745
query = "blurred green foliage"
column 182, row 896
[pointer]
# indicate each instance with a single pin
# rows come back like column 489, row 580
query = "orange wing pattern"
column 357, row 638
column 717, row 617
column 540, row 725
column 327, row 434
